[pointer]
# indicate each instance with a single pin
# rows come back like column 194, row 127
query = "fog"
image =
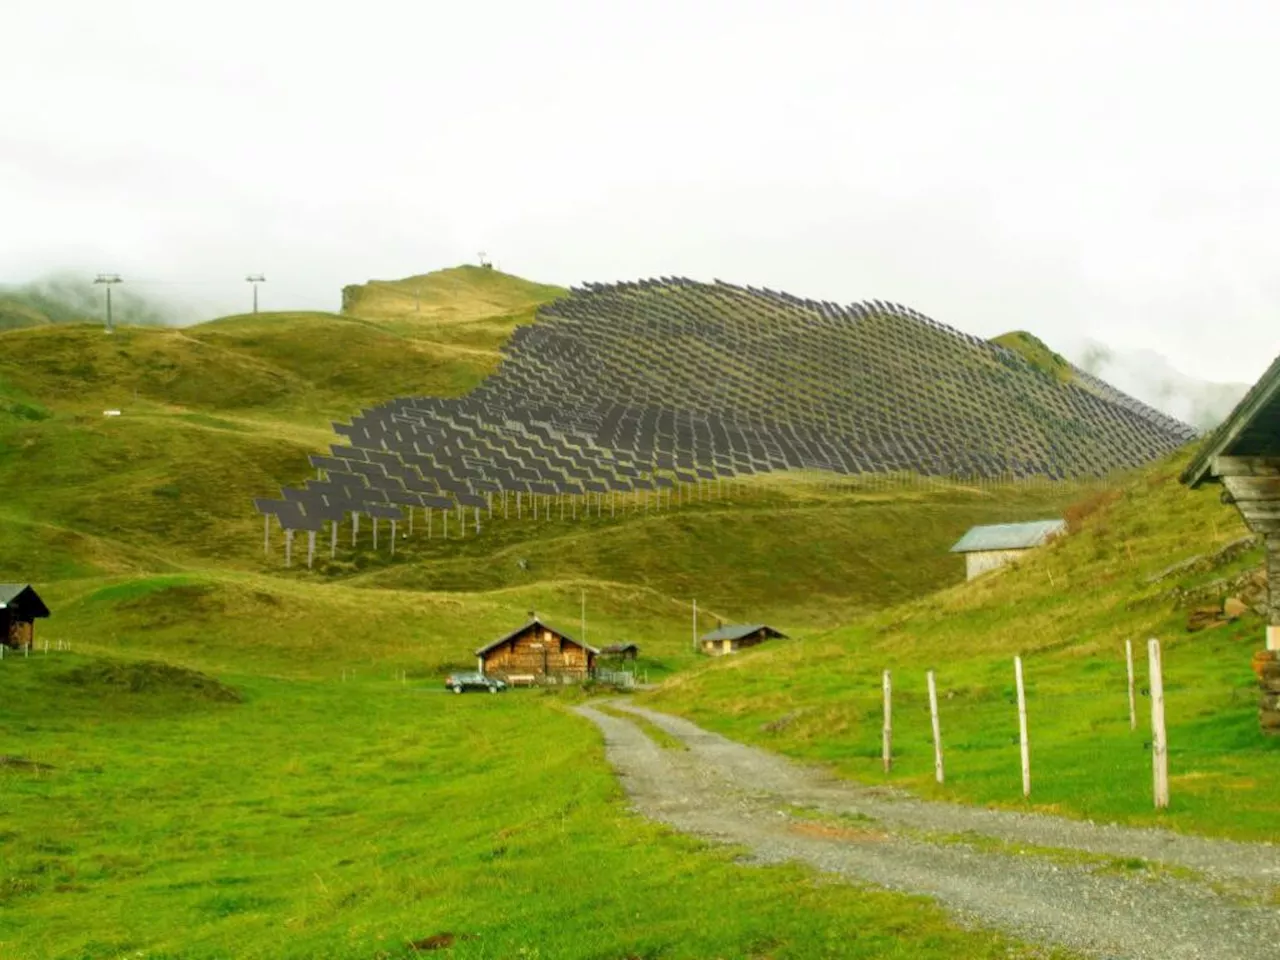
column 1095, row 173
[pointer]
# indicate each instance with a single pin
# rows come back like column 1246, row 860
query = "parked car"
column 457, row 682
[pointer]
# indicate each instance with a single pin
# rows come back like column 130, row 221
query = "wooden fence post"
column 937, row 729
column 1133, row 707
column 1023, row 741
column 887, row 748
column 1159, row 744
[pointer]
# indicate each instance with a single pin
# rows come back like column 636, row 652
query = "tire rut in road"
column 728, row 792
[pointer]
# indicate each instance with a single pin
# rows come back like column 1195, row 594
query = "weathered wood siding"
column 16, row 633
column 540, row 652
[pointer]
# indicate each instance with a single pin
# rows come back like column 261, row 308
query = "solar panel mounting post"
column 266, row 535
column 311, row 547
column 288, row 548
column 393, row 537
column 333, row 538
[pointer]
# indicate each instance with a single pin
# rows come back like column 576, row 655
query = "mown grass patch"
column 351, row 820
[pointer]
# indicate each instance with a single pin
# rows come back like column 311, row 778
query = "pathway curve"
column 725, row 791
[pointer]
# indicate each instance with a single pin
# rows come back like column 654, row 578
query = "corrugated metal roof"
column 1008, row 536
column 736, row 631
column 521, row 629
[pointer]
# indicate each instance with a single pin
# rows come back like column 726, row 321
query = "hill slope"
column 1068, row 612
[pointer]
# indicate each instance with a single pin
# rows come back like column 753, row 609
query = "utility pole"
column 108, row 279
column 255, row 279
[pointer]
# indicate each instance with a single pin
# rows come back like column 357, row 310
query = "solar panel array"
column 653, row 385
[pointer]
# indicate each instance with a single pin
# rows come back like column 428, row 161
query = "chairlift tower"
column 109, row 279
column 255, row 279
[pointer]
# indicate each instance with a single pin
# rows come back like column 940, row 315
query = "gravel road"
column 725, row 791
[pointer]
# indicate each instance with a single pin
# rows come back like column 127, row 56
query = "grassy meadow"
column 1068, row 611
column 238, row 760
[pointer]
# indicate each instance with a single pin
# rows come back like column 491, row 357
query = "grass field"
column 233, row 769
column 1067, row 612
column 371, row 815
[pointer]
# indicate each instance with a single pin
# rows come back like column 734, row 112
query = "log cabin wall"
column 16, row 633
column 537, row 651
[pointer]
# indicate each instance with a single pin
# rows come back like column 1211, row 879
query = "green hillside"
column 235, row 759
column 1067, row 611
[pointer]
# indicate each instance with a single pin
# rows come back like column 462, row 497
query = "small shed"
column 537, row 650
column 619, row 651
column 730, row 638
column 989, row 547
column 20, row 607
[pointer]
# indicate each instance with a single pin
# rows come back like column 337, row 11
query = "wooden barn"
column 730, row 638
column 619, row 651
column 20, row 607
column 537, row 651
column 989, row 547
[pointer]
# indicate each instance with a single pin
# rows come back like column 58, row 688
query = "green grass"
column 373, row 814
column 1068, row 612
column 330, row 811
column 650, row 729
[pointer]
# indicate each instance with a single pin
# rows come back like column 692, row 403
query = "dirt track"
column 1079, row 898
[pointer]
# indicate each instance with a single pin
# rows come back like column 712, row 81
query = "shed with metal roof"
column 537, row 651
column 988, row 547
column 20, row 607
column 732, row 637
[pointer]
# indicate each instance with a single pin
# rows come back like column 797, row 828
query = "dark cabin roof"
column 1252, row 429
column 736, row 631
column 521, row 629
column 619, row 648
column 1008, row 536
column 23, row 598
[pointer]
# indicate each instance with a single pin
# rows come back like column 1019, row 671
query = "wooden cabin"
column 539, row 651
column 619, row 651
column 20, row 607
column 989, row 547
column 730, row 638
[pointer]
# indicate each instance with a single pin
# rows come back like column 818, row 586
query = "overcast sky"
column 1079, row 169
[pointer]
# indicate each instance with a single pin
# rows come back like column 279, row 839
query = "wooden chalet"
column 537, row 651
column 619, row 651
column 1243, row 455
column 730, row 638
column 20, row 608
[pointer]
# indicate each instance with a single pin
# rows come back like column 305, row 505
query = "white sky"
column 1081, row 169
